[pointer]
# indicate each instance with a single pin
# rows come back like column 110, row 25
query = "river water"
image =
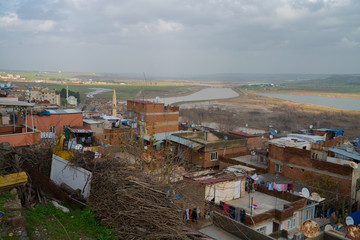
column 332, row 102
column 202, row 95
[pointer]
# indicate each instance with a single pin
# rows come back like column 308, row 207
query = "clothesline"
column 280, row 187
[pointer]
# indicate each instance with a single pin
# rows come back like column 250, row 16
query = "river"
column 202, row 95
column 97, row 91
column 332, row 102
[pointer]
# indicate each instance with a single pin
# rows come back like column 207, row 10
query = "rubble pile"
column 133, row 203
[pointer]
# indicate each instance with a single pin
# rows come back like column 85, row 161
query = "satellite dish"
column 310, row 229
column 349, row 220
column 315, row 196
column 2, row 85
column 311, row 126
column 305, row 192
column 352, row 232
column 271, row 136
column 157, row 98
column 225, row 138
column 246, row 125
column 328, row 228
column 353, row 165
column 253, row 153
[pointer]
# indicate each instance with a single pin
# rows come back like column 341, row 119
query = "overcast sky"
column 181, row 36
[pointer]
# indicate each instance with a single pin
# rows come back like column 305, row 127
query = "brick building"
column 53, row 121
column 153, row 117
column 205, row 147
column 294, row 157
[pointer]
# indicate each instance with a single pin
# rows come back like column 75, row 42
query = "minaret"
column 114, row 104
column 67, row 95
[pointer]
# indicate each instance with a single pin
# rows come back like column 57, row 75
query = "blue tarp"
column 339, row 132
column 356, row 217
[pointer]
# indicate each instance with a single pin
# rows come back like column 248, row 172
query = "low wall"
column 238, row 229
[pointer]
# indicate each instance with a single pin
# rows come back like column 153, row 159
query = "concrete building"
column 43, row 94
column 152, row 117
column 14, row 133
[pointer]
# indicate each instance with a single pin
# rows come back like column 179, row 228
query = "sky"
column 181, row 36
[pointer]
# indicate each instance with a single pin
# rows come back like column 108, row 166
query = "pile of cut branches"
column 134, row 204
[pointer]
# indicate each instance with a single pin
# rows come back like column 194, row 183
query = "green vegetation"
column 3, row 197
column 336, row 84
column 42, row 75
column 52, row 223
column 71, row 93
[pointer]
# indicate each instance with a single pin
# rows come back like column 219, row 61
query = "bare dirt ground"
column 260, row 111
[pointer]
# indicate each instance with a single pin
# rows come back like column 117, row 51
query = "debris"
column 12, row 180
column 133, row 203
column 62, row 208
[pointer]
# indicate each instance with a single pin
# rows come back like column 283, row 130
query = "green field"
column 347, row 84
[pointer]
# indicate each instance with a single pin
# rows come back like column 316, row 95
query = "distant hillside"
column 334, row 83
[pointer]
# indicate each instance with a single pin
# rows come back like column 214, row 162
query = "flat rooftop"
column 218, row 233
column 251, row 160
column 265, row 203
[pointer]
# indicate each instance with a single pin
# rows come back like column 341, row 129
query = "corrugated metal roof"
column 185, row 142
column 80, row 130
column 163, row 136
column 90, row 121
column 64, row 111
column 355, row 155
column 16, row 103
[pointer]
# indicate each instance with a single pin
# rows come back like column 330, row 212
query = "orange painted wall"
column 43, row 123
column 21, row 139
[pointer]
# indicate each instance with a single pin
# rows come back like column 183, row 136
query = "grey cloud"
column 181, row 36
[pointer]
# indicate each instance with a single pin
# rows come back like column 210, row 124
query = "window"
column 105, row 137
column 142, row 117
column 292, row 222
column 53, row 129
column 308, row 214
column 278, row 168
column 304, row 147
column 35, row 127
column 262, row 230
column 214, row 156
column 302, row 170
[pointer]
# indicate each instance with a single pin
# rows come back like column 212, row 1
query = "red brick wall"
column 330, row 143
column 302, row 158
column 166, row 121
column 254, row 142
column 113, row 136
